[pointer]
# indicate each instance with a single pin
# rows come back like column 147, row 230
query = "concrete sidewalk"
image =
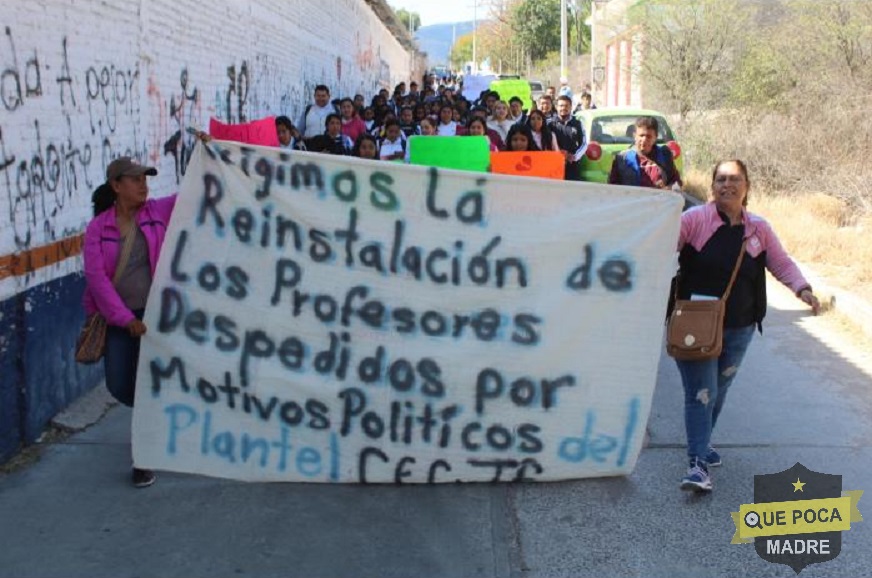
column 799, row 397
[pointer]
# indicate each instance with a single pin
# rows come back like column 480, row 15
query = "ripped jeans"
column 705, row 388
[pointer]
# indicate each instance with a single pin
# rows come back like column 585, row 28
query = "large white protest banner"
column 329, row 319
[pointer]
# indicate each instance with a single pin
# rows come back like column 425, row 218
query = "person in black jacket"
column 710, row 244
column 570, row 137
column 332, row 141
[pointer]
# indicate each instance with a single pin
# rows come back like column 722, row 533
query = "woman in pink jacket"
column 352, row 125
column 121, row 209
column 709, row 244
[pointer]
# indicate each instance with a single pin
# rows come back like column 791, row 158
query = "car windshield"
column 620, row 130
column 535, row 86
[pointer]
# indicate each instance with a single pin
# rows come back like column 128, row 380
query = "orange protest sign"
column 545, row 164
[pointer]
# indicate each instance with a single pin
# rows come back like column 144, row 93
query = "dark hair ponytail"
column 103, row 198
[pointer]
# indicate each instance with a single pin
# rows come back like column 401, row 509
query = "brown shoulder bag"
column 695, row 331
column 91, row 342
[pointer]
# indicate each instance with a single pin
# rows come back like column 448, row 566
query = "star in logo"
column 797, row 485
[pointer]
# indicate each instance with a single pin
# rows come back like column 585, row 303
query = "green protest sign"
column 509, row 87
column 465, row 153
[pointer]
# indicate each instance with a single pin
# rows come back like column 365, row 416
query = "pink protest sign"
column 258, row 132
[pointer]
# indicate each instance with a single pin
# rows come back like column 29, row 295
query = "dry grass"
column 825, row 233
column 697, row 183
column 807, row 144
column 809, row 171
column 807, row 149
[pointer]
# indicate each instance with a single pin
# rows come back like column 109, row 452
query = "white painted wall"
column 84, row 81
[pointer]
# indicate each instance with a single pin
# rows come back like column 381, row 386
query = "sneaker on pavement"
column 697, row 478
column 713, row 458
column 142, row 478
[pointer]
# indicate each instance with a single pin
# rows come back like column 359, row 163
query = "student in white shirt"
column 447, row 126
column 313, row 122
column 393, row 145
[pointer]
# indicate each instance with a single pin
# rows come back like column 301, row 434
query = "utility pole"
column 474, row 28
column 563, row 41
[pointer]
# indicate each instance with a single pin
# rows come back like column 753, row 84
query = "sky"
column 441, row 11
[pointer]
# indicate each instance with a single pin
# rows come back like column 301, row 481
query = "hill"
column 437, row 39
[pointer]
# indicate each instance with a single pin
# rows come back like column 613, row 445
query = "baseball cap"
column 127, row 167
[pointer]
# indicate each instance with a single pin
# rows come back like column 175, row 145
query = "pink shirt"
column 353, row 128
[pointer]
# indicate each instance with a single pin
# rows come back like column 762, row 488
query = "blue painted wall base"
column 39, row 376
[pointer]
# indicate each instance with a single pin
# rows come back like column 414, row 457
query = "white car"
column 537, row 89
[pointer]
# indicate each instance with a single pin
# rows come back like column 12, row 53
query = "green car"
column 609, row 131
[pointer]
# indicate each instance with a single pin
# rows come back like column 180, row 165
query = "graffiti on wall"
column 374, row 69
column 47, row 159
column 170, row 119
column 67, row 110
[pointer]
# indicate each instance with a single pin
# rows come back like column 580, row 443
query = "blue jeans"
column 120, row 360
column 705, row 388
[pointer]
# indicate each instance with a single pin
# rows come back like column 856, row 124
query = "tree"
column 536, row 26
column 807, row 50
column 837, row 36
column 690, row 48
column 764, row 77
column 410, row 20
column 579, row 31
column 496, row 41
column 461, row 52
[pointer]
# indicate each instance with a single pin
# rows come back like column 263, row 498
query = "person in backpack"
column 289, row 136
column 516, row 110
column 520, row 138
column 366, row 147
column 313, row 121
column 545, row 104
column 585, row 102
column 369, row 118
column 392, row 147
column 407, row 122
column 332, row 142
column 413, row 91
column 645, row 164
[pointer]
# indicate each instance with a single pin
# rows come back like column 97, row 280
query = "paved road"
column 797, row 399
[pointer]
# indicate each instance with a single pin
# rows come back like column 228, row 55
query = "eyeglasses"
column 721, row 179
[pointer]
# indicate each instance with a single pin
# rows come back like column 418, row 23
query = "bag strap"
column 732, row 277
column 735, row 271
column 126, row 250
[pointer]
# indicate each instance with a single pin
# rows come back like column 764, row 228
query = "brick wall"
column 85, row 81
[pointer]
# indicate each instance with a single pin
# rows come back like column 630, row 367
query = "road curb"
column 85, row 411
